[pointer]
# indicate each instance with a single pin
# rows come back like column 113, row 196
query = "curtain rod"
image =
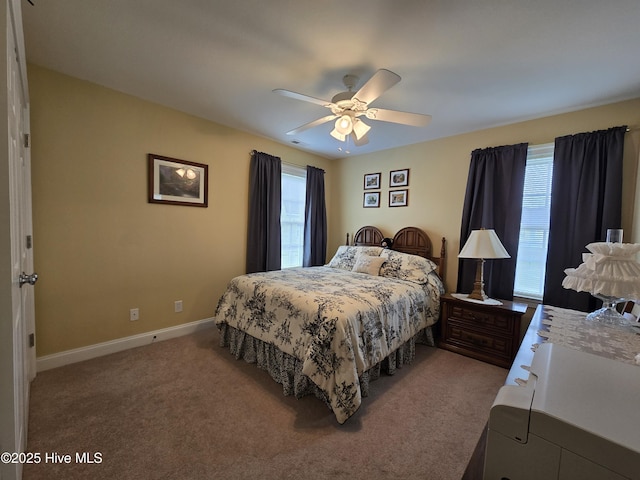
column 253, row 152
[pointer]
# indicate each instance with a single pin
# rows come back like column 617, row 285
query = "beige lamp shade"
column 483, row 244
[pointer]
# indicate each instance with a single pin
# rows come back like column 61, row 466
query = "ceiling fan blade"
column 304, row 98
column 394, row 116
column 358, row 142
column 309, row 125
column 381, row 81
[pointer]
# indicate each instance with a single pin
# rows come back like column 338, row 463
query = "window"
column 534, row 225
column 294, row 186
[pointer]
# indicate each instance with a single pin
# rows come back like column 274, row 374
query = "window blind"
column 294, row 186
column 534, row 225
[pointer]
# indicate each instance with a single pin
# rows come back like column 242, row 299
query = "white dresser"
column 566, row 413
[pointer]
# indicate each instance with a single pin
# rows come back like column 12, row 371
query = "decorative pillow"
column 368, row 264
column 345, row 256
column 405, row 266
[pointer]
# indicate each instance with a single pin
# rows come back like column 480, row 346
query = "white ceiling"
column 471, row 64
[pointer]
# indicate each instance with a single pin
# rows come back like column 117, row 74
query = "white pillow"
column 345, row 256
column 368, row 264
column 405, row 266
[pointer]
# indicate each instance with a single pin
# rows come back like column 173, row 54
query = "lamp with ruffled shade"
column 610, row 273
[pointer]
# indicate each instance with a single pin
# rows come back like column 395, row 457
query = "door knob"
column 30, row 279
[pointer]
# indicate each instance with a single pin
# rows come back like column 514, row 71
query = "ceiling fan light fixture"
column 360, row 128
column 348, row 107
column 344, row 125
column 337, row 135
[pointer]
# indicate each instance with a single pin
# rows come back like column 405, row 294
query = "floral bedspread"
column 338, row 323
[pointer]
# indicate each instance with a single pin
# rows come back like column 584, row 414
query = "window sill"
column 531, row 302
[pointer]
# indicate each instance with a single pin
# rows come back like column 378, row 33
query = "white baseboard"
column 67, row 357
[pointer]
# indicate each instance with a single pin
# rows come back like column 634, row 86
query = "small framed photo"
column 399, row 178
column 371, row 200
column 398, row 198
column 177, row 182
column 372, row 181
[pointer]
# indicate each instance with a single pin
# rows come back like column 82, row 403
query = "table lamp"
column 482, row 244
column 610, row 273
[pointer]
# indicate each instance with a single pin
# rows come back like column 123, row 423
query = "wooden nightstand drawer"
column 459, row 334
column 490, row 333
column 482, row 319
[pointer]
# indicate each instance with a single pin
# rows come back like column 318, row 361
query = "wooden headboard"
column 367, row 236
column 408, row 240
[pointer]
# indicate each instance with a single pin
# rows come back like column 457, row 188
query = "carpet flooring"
column 186, row 409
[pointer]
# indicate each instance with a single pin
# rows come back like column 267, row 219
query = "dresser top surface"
column 507, row 305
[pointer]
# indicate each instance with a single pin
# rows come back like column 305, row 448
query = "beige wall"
column 100, row 248
column 438, row 177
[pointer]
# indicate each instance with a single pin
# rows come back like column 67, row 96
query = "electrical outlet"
column 134, row 314
column 177, row 306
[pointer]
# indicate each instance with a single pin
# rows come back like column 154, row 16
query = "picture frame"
column 399, row 178
column 398, row 198
column 371, row 200
column 372, row 181
column 177, row 182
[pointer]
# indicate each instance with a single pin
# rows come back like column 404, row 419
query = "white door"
column 21, row 342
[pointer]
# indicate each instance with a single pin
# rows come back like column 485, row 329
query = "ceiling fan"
column 347, row 107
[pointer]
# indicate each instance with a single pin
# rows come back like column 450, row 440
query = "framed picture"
column 399, row 178
column 371, row 200
column 372, row 181
column 177, row 182
column 398, row 198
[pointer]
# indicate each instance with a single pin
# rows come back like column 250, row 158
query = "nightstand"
column 490, row 333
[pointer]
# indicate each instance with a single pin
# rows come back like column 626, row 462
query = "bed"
column 330, row 330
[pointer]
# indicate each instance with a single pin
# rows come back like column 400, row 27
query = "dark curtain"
column 586, row 200
column 263, row 236
column 494, row 200
column 315, row 219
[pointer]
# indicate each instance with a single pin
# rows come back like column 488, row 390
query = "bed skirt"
column 287, row 369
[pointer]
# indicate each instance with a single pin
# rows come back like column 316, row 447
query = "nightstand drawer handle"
column 477, row 340
column 476, row 318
